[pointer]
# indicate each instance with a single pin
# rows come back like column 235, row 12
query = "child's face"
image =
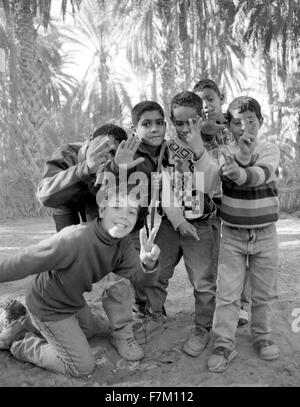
column 151, row 128
column 180, row 120
column 119, row 215
column 115, row 145
column 212, row 103
column 244, row 123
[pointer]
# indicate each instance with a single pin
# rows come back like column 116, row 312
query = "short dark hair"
column 187, row 98
column 142, row 107
column 243, row 103
column 110, row 129
column 206, row 83
column 106, row 192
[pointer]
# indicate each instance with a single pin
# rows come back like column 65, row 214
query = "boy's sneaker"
column 140, row 313
column 196, row 341
column 11, row 328
column 12, row 311
column 151, row 326
column 128, row 348
column 220, row 358
column 243, row 317
column 13, row 332
column 267, row 349
column 137, row 312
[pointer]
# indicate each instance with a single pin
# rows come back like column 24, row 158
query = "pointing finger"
column 193, row 233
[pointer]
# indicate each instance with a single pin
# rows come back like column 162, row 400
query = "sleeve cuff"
column 200, row 156
column 83, row 172
column 242, row 178
column 147, row 270
column 242, row 159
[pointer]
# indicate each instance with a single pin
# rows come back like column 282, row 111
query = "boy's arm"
column 262, row 171
column 170, row 202
column 123, row 160
column 201, row 158
column 49, row 254
column 131, row 263
column 210, row 169
column 63, row 178
column 71, row 167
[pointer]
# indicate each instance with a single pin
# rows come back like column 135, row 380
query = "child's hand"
column 209, row 114
column 126, row 152
column 149, row 252
column 209, row 125
column 194, row 139
column 212, row 128
column 231, row 170
column 224, row 137
column 98, row 153
column 187, row 229
column 247, row 143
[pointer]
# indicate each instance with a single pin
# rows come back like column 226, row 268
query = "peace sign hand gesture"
column 149, row 252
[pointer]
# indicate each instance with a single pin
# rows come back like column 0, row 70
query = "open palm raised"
column 149, row 251
column 126, row 152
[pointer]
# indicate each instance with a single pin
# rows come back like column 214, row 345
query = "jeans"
column 246, row 293
column 117, row 303
column 63, row 347
column 259, row 248
column 200, row 258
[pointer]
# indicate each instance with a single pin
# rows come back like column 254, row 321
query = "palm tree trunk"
column 269, row 81
column 32, row 116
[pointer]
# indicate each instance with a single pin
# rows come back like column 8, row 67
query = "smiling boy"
column 189, row 228
column 142, row 156
column 66, row 266
column 249, row 211
column 215, row 135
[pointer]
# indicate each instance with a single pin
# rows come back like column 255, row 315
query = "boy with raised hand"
column 249, row 211
column 215, row 135
column 71, row 170
column 66, row 265
column 189, row 228
column 138, row 158
column 214, row 127
column 67, row 187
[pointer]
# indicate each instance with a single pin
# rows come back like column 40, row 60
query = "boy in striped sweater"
column 214, row 135
column 249, row 210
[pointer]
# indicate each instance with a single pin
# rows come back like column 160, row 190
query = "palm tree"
column 270, row 30
column 26, row 81
column 27, row 101
column 105, row 93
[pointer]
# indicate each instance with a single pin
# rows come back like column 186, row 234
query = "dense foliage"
column 135, row 50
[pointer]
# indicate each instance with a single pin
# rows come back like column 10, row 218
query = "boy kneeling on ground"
column 67, row 264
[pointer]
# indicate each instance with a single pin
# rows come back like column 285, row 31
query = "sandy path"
column 165, row 364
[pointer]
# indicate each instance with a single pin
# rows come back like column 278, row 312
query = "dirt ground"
column 165, row 364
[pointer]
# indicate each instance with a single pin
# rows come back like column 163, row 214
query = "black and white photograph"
column 149, row 196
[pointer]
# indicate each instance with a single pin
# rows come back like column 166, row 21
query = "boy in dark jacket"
column 67, row 187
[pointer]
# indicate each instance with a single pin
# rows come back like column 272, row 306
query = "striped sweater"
column 253, row 201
